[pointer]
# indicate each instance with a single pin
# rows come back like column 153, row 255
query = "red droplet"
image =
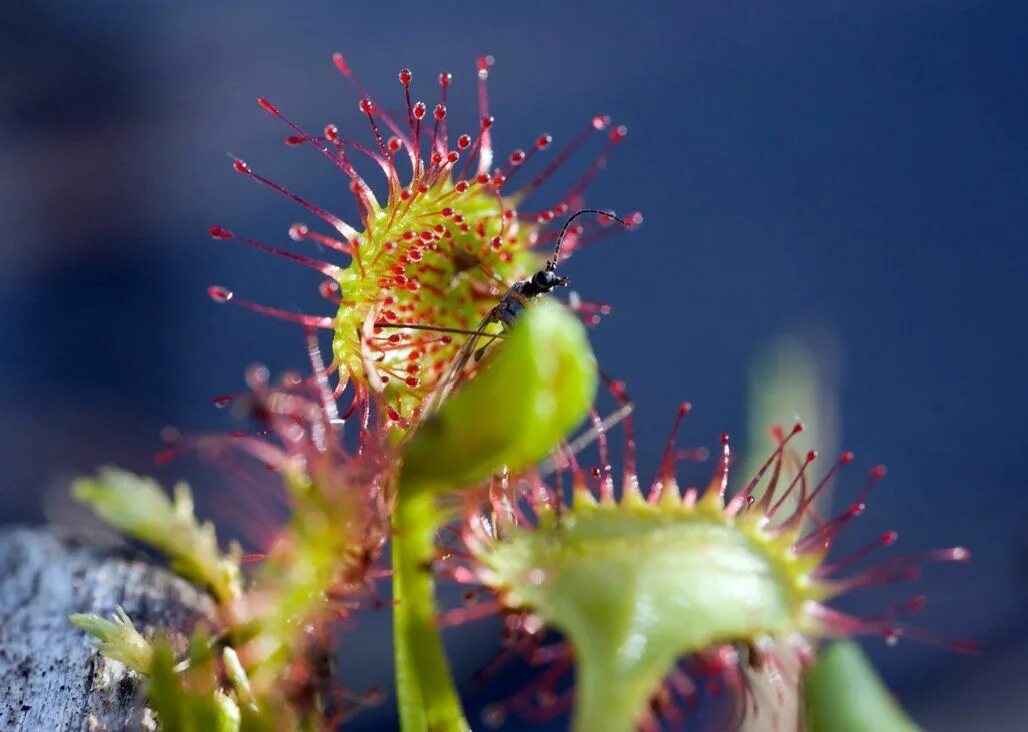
column 366, row 105
column 241, row 167
column 218, row 232
column 219, row 294
column 464, row 141
column 405, row 76
column 267, row 106
column 440, row 111
column 419, row 110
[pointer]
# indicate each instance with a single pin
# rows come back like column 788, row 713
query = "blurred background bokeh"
column 847, row 176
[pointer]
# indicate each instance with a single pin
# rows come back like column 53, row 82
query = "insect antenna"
column 551, row 263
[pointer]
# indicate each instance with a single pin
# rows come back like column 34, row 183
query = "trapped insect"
column 504, row 313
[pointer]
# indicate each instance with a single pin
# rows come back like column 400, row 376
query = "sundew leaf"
column 635, row 586
column 842, row 693
column 138, row 507
column 117, row 639
column 538, row 385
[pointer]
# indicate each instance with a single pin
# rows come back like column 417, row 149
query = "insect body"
column 515, row 299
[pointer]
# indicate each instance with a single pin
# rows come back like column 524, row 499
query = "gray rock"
column 50, row 677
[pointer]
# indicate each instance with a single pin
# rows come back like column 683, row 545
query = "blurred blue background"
column 854, row 174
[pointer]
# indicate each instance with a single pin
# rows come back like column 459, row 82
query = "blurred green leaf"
column 844, row 694
column 536, row 386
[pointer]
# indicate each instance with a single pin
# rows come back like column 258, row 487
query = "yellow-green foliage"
column 138, row 507
column 118, row 639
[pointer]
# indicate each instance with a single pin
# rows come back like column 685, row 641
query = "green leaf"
column 117, row 639
column 138, row 507
column 536, row 386
column 844, row 694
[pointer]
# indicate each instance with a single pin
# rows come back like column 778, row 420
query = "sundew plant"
column 441, row 441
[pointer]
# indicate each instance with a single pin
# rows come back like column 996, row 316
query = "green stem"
column 608, row 700
column 427, row 698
